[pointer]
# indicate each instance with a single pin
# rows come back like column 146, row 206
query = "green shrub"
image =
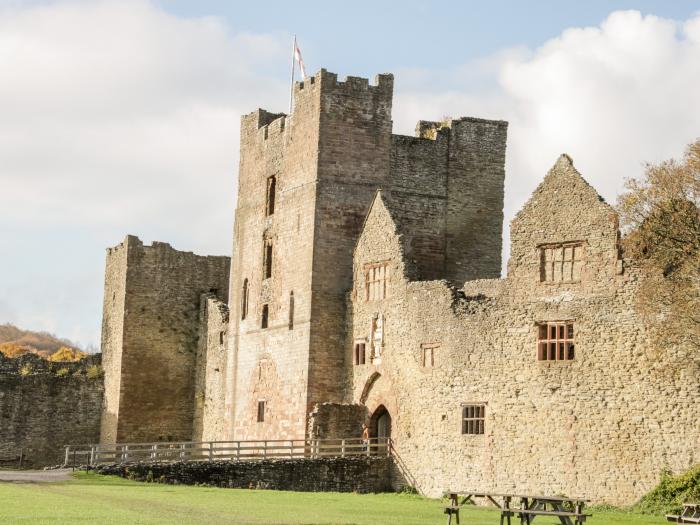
column 26, row 369
column 95, row 372
column 671, row 492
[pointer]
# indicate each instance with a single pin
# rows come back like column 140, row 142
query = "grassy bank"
column 91, row 498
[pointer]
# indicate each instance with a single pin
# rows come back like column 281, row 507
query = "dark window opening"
column 427, row 354
column 267, row 260
column 221, row 338
column 264, row 319
column 555, row 341
column 291, row 310
column 261, row 411
column 244, row 300
column 473, row 418
column 270, row 198
column 359, row 353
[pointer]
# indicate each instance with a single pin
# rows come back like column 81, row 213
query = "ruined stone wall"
column 602, row 426
column 355, row 474
column 210, row 370
column 337, row 420
column 160, row 330
column 44, row 406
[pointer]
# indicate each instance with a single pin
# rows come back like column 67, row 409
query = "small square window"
column 555, row 341
column 473, row 419
column 428, row 352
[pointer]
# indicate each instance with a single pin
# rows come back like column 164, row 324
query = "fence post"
column 342, row 448
column 211, row 451
column 65, row 462
column 238, row 450
column 264, row 449
column 92, row 456
column 291, row 449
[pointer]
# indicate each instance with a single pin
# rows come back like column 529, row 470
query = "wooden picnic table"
column 690, row 514
column 568, row 510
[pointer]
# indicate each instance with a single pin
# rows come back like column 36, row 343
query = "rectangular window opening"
column 375, row 281
column 264, row 316
column 261, row 411
column 360, row 353
column 473, row 419
column 561, row 262
column 555, row 341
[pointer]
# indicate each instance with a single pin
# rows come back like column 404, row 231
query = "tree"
column 660, row 214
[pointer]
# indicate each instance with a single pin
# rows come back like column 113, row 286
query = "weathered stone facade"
column 364, row 287
column 45, row 405
column 604, row 424
column 150, row 332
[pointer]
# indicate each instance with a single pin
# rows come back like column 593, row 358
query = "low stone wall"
column 357, row 474
column 45, row 405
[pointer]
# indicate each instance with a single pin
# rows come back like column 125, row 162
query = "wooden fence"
column 224, row 450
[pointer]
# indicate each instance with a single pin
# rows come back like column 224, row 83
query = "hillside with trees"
column 15, row 342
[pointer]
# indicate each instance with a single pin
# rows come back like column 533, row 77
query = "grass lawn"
column 91, row 498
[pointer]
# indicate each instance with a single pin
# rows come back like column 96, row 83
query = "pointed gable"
column 563, row 209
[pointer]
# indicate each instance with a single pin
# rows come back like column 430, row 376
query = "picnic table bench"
column 690, row 514
column 568, row 510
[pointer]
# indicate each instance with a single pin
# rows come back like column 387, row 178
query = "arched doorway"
column 380, row 423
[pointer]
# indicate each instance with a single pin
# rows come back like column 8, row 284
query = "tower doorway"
column 380, row 423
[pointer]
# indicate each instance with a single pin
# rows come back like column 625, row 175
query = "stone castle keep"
column 364, row 286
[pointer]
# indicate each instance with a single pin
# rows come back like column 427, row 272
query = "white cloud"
column 613, row 96
column 116, row 118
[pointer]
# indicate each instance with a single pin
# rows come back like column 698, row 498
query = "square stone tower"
column 306, row 182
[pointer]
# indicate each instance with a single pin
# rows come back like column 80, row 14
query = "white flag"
column 300, row 61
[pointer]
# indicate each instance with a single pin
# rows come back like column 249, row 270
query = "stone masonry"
column 150, row 333
column 365, row 287
column 45, row 405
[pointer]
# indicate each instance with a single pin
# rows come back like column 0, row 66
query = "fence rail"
column 225, row 450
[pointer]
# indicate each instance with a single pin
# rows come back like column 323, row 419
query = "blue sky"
column 121, row 116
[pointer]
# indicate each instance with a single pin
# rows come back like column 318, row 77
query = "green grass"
column 91, row 498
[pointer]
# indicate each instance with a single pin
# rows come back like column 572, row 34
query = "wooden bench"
column 690, row 514
column 568, row 510
column 526, row 516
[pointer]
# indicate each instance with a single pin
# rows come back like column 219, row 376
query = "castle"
column 365, row 286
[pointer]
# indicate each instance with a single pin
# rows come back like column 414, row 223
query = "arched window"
column 270, row 198
column 291, row 310
column 244, row 299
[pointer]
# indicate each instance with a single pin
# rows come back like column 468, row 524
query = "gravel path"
column 35, row 476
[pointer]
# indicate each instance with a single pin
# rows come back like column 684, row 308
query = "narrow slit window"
column 270, row 197
column 264, row 316
column 291, row 310
column 261, row 411
column 473, row 419
column 244, row 300
column 555, row 341
column 267, row 260
column 360, row 353
column 221, row 338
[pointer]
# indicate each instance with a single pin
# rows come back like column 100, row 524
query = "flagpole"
column 291, row 88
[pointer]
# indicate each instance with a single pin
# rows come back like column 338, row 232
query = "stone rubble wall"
column 44, row 406
column 603, row 426
column 337, row 421
column 210, row 370
column 356, row 474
